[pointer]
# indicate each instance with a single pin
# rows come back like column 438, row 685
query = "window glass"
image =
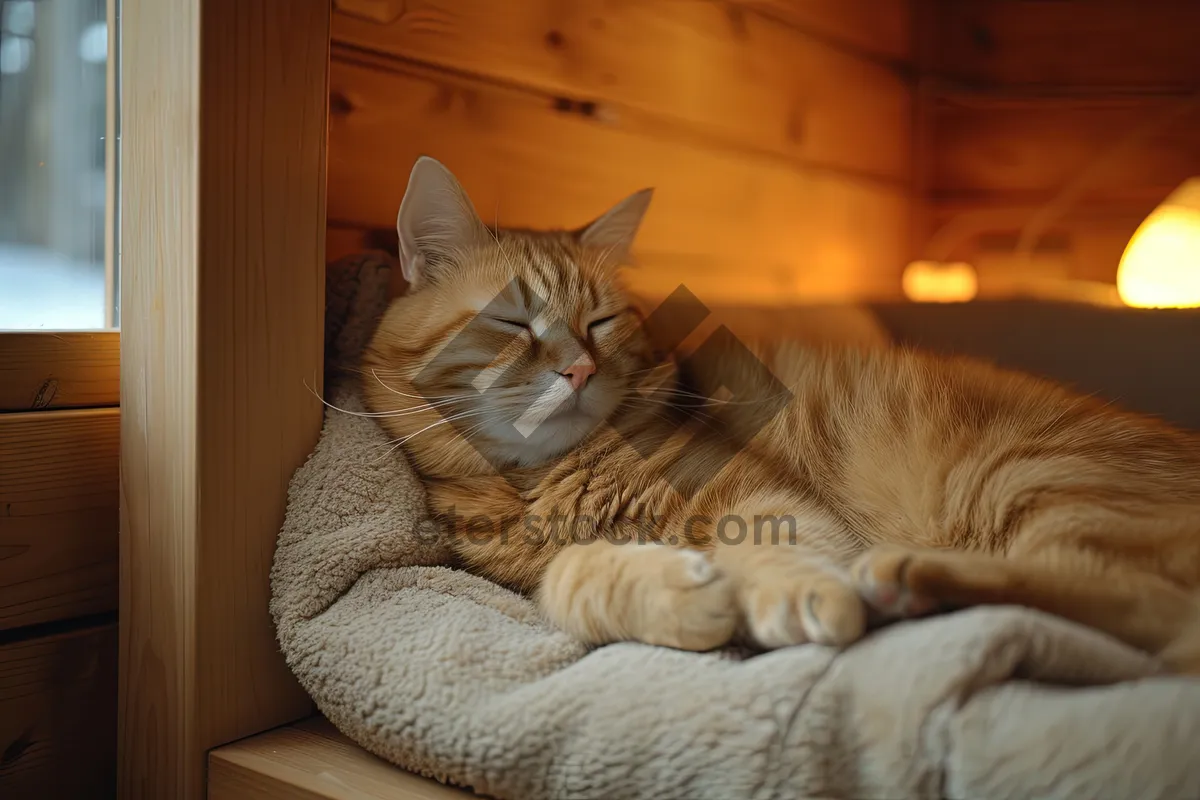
column 54, row 104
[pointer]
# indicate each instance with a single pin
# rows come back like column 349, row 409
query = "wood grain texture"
column 1036, row 148
column 58, row 515
column 1117, row 44
column 717, row 73
column 788, row 233
column 880, row 28
column 924, row 55
column 58, row 715
column 59, row 370
column 222, row 254
column 1085, row 243
column 311, row 760
column 1092, row 105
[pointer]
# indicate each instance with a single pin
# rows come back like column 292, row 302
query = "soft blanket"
column 456, row 678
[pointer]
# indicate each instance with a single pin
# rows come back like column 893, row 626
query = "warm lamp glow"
column 1161, row 264
column 935, row 282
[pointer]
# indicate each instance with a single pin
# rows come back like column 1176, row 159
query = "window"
column 56, row 210
column 59, row 379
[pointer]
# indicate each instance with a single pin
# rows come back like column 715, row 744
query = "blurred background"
column 53, row 57
column 803, row 150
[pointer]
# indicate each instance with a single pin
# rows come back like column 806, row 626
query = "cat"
column 572, row 458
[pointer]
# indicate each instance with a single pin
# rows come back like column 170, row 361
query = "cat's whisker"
column 361, row 371
column 400, row 442
column 394, row 390
column 710, row 400
column 659, row 409
column 496, row 393
column 419, row 409
column 647, row 370
column 446, row 420
column 379, row 414
column 469, row 432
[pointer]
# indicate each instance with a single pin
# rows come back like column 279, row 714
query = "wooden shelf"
column 311, row 760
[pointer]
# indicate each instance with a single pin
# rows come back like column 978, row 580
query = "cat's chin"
column 553, row 438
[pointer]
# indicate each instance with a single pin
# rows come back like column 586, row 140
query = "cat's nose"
column 578, row 373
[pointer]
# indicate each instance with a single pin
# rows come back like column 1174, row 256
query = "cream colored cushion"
column 454, row 677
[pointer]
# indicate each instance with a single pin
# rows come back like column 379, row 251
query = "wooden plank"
column 311, row 760
column 881, row 28
column 769, row 313
column 925, row 47
column 1148, row 44
column 222, row 292
column 58, row 715
column 786, row 233
column 1034, row 149
column 59, row 370
column 58, row 515
column 710, row 71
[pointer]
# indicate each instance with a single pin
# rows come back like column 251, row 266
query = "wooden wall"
column 1027, row 98
column 778, row 133
column 59, row 437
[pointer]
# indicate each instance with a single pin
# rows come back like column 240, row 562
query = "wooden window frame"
column 40, row 371
column 222, row 243
column 59, row 473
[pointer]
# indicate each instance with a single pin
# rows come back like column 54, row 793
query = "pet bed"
column 456, row 678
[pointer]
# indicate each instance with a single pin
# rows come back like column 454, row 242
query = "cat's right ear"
column 614, row 232
column 436, row 219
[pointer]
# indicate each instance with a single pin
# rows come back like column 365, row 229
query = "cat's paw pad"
column 894, row 580
column 694, row 568
column 687, row 603
column 822, row 608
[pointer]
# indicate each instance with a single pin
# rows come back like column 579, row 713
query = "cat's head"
column 510, row 345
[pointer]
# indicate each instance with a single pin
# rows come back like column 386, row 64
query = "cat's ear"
column 436, row 218
column 615, row 231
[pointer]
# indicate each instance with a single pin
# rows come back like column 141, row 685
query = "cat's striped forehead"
column 536, row 274
column 554, row 268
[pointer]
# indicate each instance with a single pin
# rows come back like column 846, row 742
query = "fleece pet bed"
column 451, row 676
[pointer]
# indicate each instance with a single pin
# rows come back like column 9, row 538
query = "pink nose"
column 578, row 373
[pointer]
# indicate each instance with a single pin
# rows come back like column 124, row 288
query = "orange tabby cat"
column 567, row 456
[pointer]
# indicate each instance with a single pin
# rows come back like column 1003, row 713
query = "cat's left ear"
column 436, row 220
column 615, row 231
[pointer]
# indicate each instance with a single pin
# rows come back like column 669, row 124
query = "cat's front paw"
column 906, row 582
column 683, row 600
column 793, row 604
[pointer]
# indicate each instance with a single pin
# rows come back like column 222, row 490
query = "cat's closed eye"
column 512, row 323
column 597, row 323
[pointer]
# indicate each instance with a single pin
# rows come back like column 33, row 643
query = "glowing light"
column 935, row 282
column 1161, row 264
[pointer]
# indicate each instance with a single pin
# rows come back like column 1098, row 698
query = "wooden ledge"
column 311, row 760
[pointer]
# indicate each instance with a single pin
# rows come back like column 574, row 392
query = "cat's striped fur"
column 890, row 482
